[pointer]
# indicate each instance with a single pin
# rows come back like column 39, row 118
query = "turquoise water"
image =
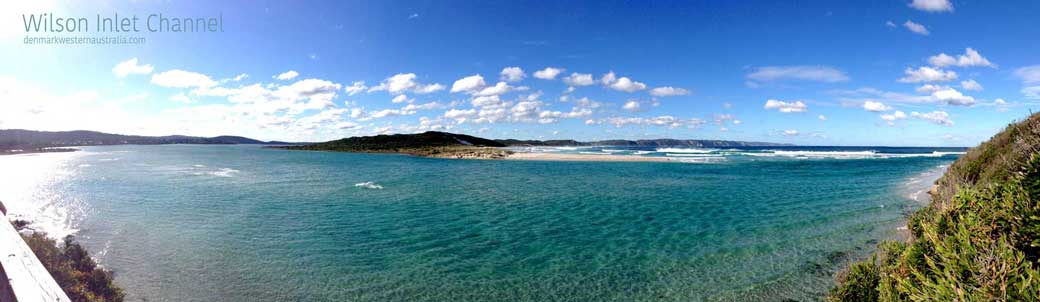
column 243, row 223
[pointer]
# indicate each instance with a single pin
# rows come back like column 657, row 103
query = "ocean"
column 245, row 223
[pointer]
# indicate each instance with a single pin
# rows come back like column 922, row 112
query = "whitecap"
column 369, row 185
column 685, row 150
column 224, row 172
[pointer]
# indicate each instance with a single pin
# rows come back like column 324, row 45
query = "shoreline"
column 536, row 156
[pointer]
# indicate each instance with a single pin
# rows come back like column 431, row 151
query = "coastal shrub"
column 75, row 271
column 979, row 239
column 858, row 283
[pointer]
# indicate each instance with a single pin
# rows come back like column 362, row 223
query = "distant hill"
column 14, row 139
column 642, row 143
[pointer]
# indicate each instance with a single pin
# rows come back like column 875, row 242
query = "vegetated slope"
column 396, row 142
column 978, row 240
column 29, row 139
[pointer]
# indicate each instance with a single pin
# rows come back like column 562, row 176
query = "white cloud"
column 579, row 79
column 1031, row 92
column 180, row 97
column 548, row 73
column 668, row 91
column 425, row 106
column 1029, row 74
column 661, row 121
column 631, row 105
column 500, row 88
column 932, row 6
column 890, row 24
column 790, row 132
column 822, row 117
column 805, row 73
column 401, row 98
column 405, row 82
column 460, row 115
column 786, row 107
column 927, row 74
column 129, row 67
column 621, row 84
column 898, row 115
column 937, row 117
column 288, row 75
column 953, row 97
column 916, row 28
column 356, row 87
column 512, row 74
column 182, row 79
column 970, row 58
column 471, row 83
column 929, row 88
column 486, row 101
column 971, row 85
column 873, row 106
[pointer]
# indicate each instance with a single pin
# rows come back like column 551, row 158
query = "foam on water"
column 369, row 185
column 684, row 150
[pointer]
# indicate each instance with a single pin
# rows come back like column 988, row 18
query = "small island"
column 426, row 144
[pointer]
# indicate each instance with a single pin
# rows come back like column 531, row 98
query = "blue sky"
column 938, row 73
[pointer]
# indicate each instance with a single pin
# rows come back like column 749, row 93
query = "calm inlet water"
column 243, row 223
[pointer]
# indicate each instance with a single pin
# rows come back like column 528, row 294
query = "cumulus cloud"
column 971, row 85
column 129, row 67
column 916, row 28
column 621, row 84
column 953, row 97
column 805, row 73
column 927, row 74
column 822, row 117
column 405, row 82
column 873, row 106
column 401, row 98
column 288, row 75
column 500, row 88
column 549, row 73
column 661, row 121
column 668, row 91
column 786, row 107
column 970, row 58
column 932, row 6
column 895, row 116
column 473, row 83
column 631, row 105
column 182, row 79
column 356, row 87
column 929, row 88
column 460, row 115
column 512, row 74
column 937, row 117
column 790, row 132
column 579, row 79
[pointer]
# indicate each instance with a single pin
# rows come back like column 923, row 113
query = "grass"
column 978, row 240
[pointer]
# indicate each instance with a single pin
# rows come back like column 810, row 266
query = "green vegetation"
column 71, row 266
column 431, row 144
column 978, row 240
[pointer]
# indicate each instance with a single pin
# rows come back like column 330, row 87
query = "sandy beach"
column 584, row 157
